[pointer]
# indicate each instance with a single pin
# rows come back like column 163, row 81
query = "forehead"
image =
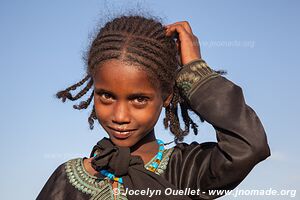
column 117, row 75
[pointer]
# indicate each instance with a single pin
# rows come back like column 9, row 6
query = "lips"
column 121, row 133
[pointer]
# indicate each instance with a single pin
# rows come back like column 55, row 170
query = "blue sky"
column 42, row 43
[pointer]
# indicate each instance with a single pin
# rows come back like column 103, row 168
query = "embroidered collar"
column 100, row 189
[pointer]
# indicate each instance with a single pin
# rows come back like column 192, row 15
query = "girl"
column 135, row 68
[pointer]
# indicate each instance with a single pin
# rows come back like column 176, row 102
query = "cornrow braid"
column 143, row 42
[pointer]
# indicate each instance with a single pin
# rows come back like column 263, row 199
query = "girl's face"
column 127, row 105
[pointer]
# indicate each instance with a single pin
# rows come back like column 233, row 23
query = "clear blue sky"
column 41, row 46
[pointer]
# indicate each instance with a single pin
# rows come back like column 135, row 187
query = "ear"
column 168, row 100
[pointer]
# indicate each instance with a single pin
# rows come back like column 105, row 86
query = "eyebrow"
column 100, row 90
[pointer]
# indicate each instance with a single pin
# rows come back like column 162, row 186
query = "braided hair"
column 141, row 41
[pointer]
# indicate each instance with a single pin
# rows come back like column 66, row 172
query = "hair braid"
column 84, row 104
column 172, row 120
column 65, row 94
column 92, row 117
column 186, row 118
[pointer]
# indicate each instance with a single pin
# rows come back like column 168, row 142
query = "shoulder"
column 58, row 174
column 60, row 184
column 184, row 152
column 194, row 146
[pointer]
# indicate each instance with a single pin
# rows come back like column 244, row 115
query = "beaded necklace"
column 152, row 167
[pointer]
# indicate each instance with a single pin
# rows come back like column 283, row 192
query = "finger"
column 178, row 46
column 182, row 33
column 185, row 24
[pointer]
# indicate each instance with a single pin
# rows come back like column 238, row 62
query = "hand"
column 187, row 43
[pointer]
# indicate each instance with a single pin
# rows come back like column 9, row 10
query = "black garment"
column 241, row 143
column 131, row 168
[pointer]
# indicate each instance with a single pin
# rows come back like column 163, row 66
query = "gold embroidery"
column 193, row 75
column 102, row 189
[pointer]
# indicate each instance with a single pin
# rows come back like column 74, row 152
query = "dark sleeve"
column 242, row 141
column 58, row 187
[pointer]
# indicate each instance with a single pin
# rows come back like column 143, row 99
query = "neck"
column 147, row 145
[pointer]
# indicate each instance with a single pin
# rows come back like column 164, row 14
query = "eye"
column 141, row 100
column 106, row 97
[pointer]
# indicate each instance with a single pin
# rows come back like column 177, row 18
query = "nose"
column 121, row 113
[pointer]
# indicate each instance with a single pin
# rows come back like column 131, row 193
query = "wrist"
column 194, row 74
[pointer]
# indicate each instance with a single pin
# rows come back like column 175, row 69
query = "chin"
column 122, row 142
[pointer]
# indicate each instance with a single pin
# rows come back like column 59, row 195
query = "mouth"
column 121, row 133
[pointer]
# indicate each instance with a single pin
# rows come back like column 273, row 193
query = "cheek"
column 102, row 112
column 148, row 117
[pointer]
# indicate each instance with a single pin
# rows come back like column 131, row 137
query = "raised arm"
column 241, row 137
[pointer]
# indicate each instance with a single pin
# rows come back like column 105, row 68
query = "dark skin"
column 128, row 106
column 119, row 106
